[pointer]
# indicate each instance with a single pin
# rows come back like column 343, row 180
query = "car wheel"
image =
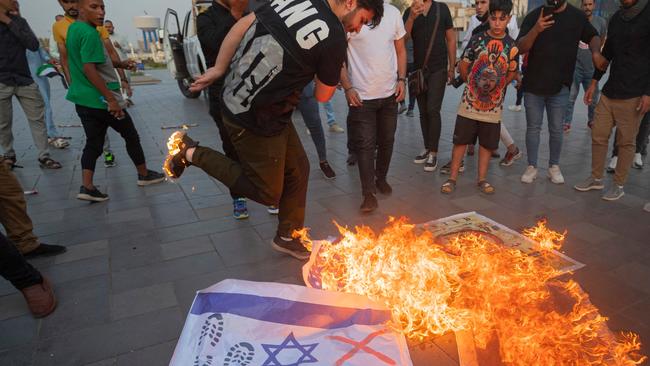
column 184, row 86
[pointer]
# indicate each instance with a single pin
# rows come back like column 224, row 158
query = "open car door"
column 173, row 43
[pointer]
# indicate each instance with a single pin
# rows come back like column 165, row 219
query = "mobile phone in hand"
column 548, row 10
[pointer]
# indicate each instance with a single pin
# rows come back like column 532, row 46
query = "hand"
column 128, row 65
column 126, row 88
column 400, row 91
column 644, row 104
column 600, row 62
column 589, row 94
column 115, row 109
column 354, row 100
column 53, row 62
column 451, row 75
column 4, row 18
column 417, row 8
column 205, row 80
column 544, row 22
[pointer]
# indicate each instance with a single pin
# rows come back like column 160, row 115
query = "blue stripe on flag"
column 276, row 310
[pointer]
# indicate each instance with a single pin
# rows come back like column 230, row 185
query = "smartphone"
column 548, row 10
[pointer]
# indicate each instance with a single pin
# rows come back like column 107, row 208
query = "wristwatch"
column 401, row 79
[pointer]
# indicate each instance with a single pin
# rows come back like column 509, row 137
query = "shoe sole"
column 144, row 183
column 274, row 213
column 109, row 165
column 289, row 252
column 552, row 181
column 590, row 188
column 367, row 210
column 419, row 161
column 430, row 169
column 242, row 217
column 613, row 198
column 531, row 181
column 87, row 197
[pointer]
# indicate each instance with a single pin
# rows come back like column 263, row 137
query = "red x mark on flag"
column 363, row 345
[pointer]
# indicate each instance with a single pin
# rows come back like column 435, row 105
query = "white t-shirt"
column 372, row 59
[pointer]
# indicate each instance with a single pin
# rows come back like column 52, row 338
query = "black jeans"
column 429, row 104
column 641, row 137
column 372, row 126
column 214, row 93
column 95, row 123
column 14, row 268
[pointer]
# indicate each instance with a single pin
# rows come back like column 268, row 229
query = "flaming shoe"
column 177, row 145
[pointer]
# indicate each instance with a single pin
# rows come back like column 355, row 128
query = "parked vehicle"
column 185, row 59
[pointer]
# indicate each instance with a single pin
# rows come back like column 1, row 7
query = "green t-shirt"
column 84, row 46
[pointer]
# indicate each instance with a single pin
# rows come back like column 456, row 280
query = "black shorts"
column 468, row 130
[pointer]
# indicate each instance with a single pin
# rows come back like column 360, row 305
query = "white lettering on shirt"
column 309, row 34
column 312, row 33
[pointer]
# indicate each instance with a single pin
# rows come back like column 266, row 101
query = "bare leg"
column 483, row 162
column 456, row 159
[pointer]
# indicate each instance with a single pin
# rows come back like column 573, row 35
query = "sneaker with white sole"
column 334, row 127
column 273, row 210
column 515, row 108
column 611, row 167
column 292, row 247
column 555, row 174
column 613, row 193
column 152, row 177
column 589, row 184
column 431, row 164
column 93, row 195
column 529, row 175
column 638, row 161
column 422, row 158
column 446, row 169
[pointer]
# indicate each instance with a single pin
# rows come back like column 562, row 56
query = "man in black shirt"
column 626, row 95
column 212, row 27
column 273, row 53
column 550, row 35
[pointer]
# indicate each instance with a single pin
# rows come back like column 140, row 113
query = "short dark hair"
column 376, row 6
column 108, row 21
column 501, row 5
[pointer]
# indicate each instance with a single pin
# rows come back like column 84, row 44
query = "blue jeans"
column 581, row 77
column 329, row 112
column 308, row 107
column 555, row 106
column 44, row 87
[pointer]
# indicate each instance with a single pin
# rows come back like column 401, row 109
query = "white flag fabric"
column 239, row 323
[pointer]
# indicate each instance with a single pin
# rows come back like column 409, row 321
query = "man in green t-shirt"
column 97, row 98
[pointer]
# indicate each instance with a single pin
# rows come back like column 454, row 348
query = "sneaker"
column 93, row 195
column 611, row 167
column 40, row 298
column 334, row 127
column 511, row 157
column 151, row 178
column 470, row 150
column 109, row 159
column 446, row 169
column 383, row 187
column 273, row 210
column 327, row 170
column 402, row 108
column 613, row 193
column 529, row 175
column 177, row 145
column 369, row 203
column 422, row 158
column 292, row 247
column 638, row 161
column 431, row 164
column 352, row 160
column 589, row 184
column 45, row 250
column 239, row 209
column 555, row 174
column 58, row 142
column 566, row 128
column 409, row 113
column 515, row 108
column 646, row 208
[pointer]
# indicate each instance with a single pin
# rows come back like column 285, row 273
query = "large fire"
column 468, row 282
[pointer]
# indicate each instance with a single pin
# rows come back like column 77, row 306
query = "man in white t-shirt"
column 375, row 82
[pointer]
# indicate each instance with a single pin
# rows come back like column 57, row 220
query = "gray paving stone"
column 186, row 247
column 18, row 331
column 77, row 270
column 18, row 356
column 242, row 246
column 142, row 300
column 590, row 232
column 129, row 215
column 83, row 251
column 159, row 354
column 473, row 203
column 635, row 274
column 13, row 305
column 107, row 362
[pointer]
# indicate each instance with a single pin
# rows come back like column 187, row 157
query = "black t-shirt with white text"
column 552, row 59
column 289, row 43
column 421, row 34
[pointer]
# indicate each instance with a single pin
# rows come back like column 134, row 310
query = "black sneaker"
column 177, row 145
column 292, row 247
column 328, row 172
column 151, row 178
column 446, row 169
column 93, row 195
column 109, row 159
column 369, row 203
column 420, row 159
column 46, row 250
column 431, row 163
column 409, row 113
column 383, row 187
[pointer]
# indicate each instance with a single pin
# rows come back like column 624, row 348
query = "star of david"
column 289, row 343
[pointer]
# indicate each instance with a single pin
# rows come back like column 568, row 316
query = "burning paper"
column 467, row 273
column 241, row 323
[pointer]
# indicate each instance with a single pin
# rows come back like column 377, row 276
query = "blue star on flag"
column 289, row 343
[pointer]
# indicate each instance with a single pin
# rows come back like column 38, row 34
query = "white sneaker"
column 529, row 175
column 555, row 174
column 611, row 168
column 638, row 161
column 515, row 108
column 334, row 127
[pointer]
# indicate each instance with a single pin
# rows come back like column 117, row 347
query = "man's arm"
column 463, row 69
column 90, row 70
column 226, row 53
column 400, row 50
column 351, row 94
column 19, row 27
column 63, row 51
column 322, row 91
column 525, row 43
column 450, row 35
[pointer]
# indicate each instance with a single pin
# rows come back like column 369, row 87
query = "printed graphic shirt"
column 490, row 61
column 289, row 43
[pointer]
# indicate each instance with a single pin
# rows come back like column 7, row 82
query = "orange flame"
column 547, row 238
column 173, row 147
column 472, row 283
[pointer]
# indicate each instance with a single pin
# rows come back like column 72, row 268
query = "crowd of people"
column 267, row 59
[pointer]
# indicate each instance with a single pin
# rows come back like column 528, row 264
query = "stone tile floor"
column 134, row 262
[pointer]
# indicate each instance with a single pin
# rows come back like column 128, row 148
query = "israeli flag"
column 239, row 323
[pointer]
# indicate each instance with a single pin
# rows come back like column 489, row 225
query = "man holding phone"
column 550, row 34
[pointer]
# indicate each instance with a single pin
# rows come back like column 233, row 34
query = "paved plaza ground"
column 134, row 263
